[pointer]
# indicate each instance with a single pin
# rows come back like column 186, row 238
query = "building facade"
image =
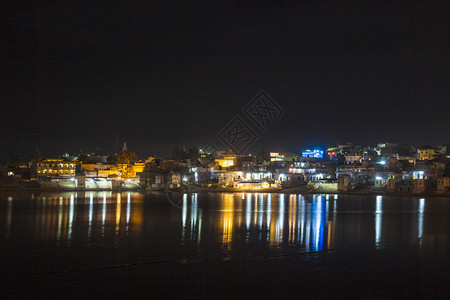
column 56, row 167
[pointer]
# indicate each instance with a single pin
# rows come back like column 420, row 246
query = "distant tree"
column 126, row 157
column 405, row 150
column 291, row 157
column 447, row 169
column 18, row 161
column 372, row 155
column 406, row 166
column 331, row 168
column 177, row 154
column 426, row 147
column 83, row 158
column 78, row 170
column 347, row 151
column 262, row 156
column 340, row 159
column 193, row 153
column 112, row 158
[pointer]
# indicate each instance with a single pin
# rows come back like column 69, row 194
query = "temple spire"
column 37, row 155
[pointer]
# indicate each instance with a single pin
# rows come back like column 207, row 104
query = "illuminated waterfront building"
column 426, row 154
column 226, row 161
column 108, row 170
column 275, row 156
column 229, row 177
column 56, row 167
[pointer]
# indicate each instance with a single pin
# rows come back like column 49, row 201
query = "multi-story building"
column 351, row 159
column 56, row 167
column 333, row 153
column 275, row 156
column 98, row 170
column 426, row 154
column 442, row 150
column 229, row 177
column 226, row 161
column 443, row 184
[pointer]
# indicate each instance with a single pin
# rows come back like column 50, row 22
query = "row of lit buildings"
column 390, row 166
column 58, row 167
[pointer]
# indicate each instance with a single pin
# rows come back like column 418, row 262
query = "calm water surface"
column 170, row 243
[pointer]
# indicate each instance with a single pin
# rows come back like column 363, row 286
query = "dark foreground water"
column 107, row 244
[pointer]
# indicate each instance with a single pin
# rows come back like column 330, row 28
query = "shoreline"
column 299, row 190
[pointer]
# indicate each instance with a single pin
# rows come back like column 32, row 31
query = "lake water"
column 88, row 244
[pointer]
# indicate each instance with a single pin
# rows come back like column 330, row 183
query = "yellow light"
column 118, row 211
column 227, row 218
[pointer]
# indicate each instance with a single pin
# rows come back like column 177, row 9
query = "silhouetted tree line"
column 191, row 153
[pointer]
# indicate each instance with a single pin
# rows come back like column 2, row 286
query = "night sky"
column 160, row 76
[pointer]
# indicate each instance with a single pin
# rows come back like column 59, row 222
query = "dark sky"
column 170, row 74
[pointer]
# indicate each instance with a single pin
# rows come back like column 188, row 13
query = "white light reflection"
column 420, row 225
column 128, row 209
column 184, row 215
column 91, row 212
column 280, row 223
column 307, row 221
column 194, row 210
column 255, row 216
column 335, row 203
column 70, row 217
column 317, row 223
column 60, row 216
column 261, row 211
column 301, row 218
column 248, row 213
column 103, row 213
column 378, row 219
column 199, row 233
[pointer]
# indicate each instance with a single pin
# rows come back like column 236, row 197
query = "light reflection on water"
column 91, row 211
column 378, row 219
column 227, row 218
column 420, row 222
column 8, row 216
column 62, row 215
column 310, row 223
column 306, row 222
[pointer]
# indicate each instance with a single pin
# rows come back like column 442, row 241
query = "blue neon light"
column 312, row 153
